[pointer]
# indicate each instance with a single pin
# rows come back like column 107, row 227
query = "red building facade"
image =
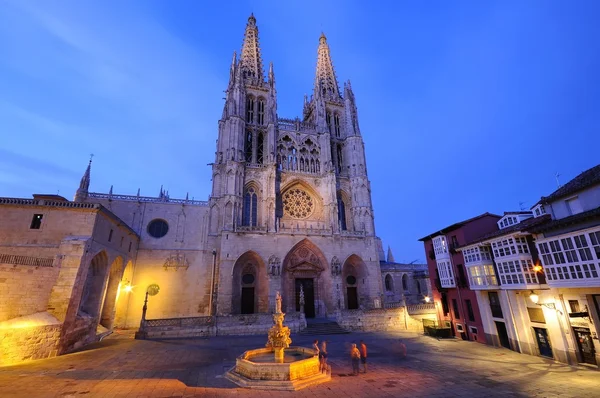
column 456, row 303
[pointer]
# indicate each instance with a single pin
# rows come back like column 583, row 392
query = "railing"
column 294, row 125
column 46, row 202
column 180, row 322
column 305, row 230
column 250, row 228
column 26, row 260
column 255, row 165
column 421, row 308
column 136, row 198
column 352, row 233
column 398, row 304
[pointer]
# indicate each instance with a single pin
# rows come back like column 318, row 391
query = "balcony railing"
column 484, row 282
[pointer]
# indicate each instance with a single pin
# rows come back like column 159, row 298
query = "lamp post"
column 151, row 290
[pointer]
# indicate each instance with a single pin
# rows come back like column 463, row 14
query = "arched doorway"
column 91, row 297
column 250, row 290
column 303, row 272
column 123, row 295
column 110, row 298
column 354, row 273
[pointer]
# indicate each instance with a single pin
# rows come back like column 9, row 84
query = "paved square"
column 122, row 367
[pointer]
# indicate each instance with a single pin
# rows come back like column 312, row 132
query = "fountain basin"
column 258, row 369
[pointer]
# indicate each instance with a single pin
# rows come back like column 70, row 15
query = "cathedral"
column 290, row 212
column 290, row 206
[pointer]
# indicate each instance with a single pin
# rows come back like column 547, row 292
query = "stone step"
column 323, row 328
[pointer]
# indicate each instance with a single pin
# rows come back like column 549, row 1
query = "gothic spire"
column 84, row 184
column 326, row 84
column 251, row 61
column 390, row 256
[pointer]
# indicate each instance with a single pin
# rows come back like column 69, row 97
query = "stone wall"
column 231, row 325
column 27, row 338
column 25, row 289
column 393, row 319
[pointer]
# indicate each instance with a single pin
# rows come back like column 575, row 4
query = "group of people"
column 322, row 353
column 357, row 354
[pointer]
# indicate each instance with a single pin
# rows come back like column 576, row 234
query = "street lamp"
column 534, row 297
column 427, row 299
column 151, row 290
column 535, row 300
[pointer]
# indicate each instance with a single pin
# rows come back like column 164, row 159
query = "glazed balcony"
column 482, row 276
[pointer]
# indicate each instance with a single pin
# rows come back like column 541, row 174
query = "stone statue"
column 278, row 303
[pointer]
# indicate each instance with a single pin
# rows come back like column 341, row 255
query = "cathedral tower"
column 245, row 146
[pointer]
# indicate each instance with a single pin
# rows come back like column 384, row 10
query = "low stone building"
column 61, row 270
column 404, row 284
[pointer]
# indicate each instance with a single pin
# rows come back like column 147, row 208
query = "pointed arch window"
column 328, row 119
column 339, row 158
column 250, row 110
column 250, row 214
column 248, row 146
column 342, row 214
column 260, row 140
column 336, row 124
column 389, row 283
column 261, row 111
column 404, row 282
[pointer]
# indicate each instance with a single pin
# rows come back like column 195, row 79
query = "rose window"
column 297, row 203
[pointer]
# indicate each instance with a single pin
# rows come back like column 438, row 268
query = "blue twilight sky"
column 464, row 106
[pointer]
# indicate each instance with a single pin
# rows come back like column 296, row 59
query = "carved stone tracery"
column 298, row 204
column 176, row 261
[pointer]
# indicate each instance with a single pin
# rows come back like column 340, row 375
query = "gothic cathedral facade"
column 290, row 208
column 292, row 196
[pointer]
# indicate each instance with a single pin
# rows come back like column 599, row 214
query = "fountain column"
column 279, row 335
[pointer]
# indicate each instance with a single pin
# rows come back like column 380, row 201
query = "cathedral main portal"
column 303, row 269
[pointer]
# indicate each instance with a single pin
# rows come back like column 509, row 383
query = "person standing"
column 355, row 356
column 323, row 357
column 363, row 355
column 316, row 348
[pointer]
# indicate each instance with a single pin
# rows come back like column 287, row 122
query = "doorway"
column 585, row 345
column 541, row 336
column 352, row 294
column 247, row 300
column 308, row 288
column 502, row 334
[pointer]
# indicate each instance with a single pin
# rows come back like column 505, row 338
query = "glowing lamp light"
column 537, row 268
column 128, row 288
column 534, row 298
column 427, row 299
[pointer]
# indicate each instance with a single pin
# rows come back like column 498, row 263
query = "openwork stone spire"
column 326, row 84
column 84, row 184
column 251, row 61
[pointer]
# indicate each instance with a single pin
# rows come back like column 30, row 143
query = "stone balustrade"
column 26, row 260
column 206, row 326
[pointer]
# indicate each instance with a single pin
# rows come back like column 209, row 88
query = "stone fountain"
column 278, row 366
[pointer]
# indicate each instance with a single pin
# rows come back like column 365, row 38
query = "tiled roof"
column 458, row 225
column 586, row 179
column 518, row 212
column 563, row 222
column 524, row 226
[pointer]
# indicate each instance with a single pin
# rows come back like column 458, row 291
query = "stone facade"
column 290, row 206
column 61, row 265
column 404, row 284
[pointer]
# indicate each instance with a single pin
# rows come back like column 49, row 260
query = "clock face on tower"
column 298, row 204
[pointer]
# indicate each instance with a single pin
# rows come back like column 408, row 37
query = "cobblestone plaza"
column 120, row 366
